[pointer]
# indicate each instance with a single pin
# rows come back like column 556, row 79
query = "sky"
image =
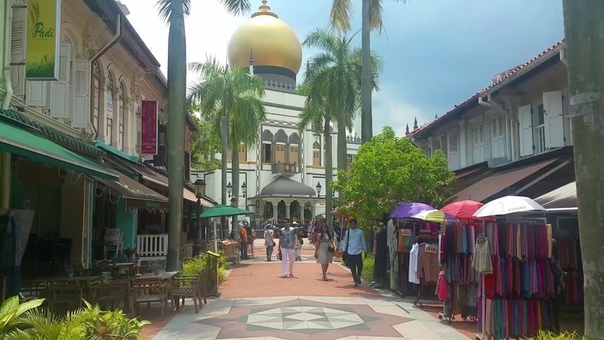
column 436, row 53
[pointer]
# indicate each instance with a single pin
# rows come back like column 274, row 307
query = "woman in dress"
column 324, row 249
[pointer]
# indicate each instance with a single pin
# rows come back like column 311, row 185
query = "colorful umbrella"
column 406, row 210
column 462, row 209
column 508, row 205
column 436, row 216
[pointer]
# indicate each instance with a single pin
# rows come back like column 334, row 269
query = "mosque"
column 283, row 174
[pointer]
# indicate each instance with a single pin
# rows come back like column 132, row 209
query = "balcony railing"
column 285, row 168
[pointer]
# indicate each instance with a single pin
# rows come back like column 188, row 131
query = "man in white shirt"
column 269, row 241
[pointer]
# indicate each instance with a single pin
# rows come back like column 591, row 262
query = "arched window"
column 294, row 148
column 96, row 95
column 123, row 112
column 109, row 104
column 267, row 147
column 280, row 145
column 316, row 154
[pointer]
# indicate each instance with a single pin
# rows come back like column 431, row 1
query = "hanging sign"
column 405, row 232
column 43, row 39
column 149, row 127
column 431, row 249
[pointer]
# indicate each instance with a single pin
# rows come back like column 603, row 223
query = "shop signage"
column 43, row 39
column 149, row 127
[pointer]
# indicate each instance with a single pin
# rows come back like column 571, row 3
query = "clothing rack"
column 428, row 273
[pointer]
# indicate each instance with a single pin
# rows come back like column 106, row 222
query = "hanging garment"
column 427, row 265
column 413, row 264
column 482, row 261
column 381, row 254
column 441, row 287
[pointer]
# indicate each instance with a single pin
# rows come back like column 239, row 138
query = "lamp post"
column 229, row 189
column 200, row 191
column 319, row 187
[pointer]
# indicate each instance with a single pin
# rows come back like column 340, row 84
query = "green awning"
column 23, row 143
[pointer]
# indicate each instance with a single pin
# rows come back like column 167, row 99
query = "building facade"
column 283, row 173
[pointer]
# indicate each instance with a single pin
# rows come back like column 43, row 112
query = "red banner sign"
column 149, row 126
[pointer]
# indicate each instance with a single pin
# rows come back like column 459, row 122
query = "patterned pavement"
column 255, row 304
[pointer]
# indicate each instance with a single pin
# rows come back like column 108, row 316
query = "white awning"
column 563, row 198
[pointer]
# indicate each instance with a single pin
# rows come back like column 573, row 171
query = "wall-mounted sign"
column 149, row 126
column 43, row 39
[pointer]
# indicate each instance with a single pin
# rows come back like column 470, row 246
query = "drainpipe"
column 8, row 10
column 114, row 40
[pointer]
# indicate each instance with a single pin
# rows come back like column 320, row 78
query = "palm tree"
column 372, row 13
column 335, row 71
column 231, row 94
column 174, row 12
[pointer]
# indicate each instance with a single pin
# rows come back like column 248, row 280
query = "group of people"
column 289, row 248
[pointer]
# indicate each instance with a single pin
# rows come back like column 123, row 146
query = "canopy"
column 436, row 216
column 564, row 197
column 24, row 143
column 406, row 210
column 224, row 211
column 137, row 196
column 508, row 205
column 462, row 209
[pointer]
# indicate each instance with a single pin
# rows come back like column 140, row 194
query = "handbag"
column 331, row 248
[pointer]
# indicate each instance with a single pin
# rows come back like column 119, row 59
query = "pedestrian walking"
column 243, row 241
column 269, row 241
column 299, row 241
column 287, row 247
column 353, row 247
column 324, row 249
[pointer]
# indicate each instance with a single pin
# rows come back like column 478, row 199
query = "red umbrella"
column 463, row 209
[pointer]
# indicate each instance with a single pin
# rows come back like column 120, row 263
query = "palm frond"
column 340, row 15
column 236, row 7
column 168, row 8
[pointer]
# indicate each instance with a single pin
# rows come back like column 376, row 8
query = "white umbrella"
column 436, row 216
column 508, row 205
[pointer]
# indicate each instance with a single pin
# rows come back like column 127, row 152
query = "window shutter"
column 81, row 111
column 526, row 130
column 59, row 90
column 554, row 119
column 17, row 47
column 36, row 93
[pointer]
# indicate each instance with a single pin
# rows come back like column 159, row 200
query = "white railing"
column 152, row 247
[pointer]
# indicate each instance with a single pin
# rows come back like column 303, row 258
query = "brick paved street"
column 255, row 303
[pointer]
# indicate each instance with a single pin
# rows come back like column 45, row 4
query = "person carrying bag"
column 353, row 249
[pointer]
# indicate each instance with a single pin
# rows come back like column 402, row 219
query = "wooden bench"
column 150, row 290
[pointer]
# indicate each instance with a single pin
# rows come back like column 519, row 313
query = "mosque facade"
column 283, row 174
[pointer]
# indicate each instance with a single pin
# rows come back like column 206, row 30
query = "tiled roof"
column 502, row 77
column 72, row 143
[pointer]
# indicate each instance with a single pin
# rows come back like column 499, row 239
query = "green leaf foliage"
column 389, row 170
column 205, row 144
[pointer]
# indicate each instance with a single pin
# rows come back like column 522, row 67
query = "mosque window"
column 316, row 154
column 242, row 152
column 294, row 144
column 267, row 147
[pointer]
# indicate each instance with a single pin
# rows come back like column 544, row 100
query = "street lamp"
column 319, row 187
column 244, row 189
column 229, row 189
column 234, row 202
column 200, row 191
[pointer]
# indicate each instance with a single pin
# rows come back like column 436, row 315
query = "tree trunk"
column 342, row 147
column 177, row 85
column 328, row 173
column 366, row 115
column 224, row 150
column 583, row 25
column 235, row 183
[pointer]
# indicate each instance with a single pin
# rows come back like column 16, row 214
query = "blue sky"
column 436, row 53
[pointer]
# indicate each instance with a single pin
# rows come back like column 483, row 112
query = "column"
column 287, row 209
column 5, row 176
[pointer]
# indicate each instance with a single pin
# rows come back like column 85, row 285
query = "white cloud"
column 208, row 29
column 390, row 108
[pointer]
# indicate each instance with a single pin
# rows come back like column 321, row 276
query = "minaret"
column 251, row 62
column 415, row 124
column 407, row 130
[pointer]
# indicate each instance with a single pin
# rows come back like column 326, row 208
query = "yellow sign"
column 43, row 39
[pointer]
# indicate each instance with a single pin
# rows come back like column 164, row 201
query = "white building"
column 281, row 174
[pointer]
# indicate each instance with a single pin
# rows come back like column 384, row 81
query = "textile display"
column 518, row 279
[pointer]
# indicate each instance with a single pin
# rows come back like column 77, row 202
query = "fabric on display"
column 427, row 266
column 413, row 264
column 381, row 254
column 481, row 261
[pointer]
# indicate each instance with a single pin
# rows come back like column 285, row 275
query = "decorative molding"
column 303, row 151
column 258, row 163
column 19, row 2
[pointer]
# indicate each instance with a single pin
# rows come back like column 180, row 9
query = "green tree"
column 340, row 19
column 334, row 74
column 583, row 24
column 205, row 144
column 234, row 94
column 174, row 12
column 389, row 170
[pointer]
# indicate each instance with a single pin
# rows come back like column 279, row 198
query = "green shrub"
column 562, row 336
column 194, row 265
column 368, row 262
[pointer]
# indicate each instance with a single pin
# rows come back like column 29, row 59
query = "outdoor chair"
column 151, row 290
column 34, row 289
column 66, row 295
column 191, row 287
column 110, row 294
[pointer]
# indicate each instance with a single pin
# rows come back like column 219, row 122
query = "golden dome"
column 269, row 40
